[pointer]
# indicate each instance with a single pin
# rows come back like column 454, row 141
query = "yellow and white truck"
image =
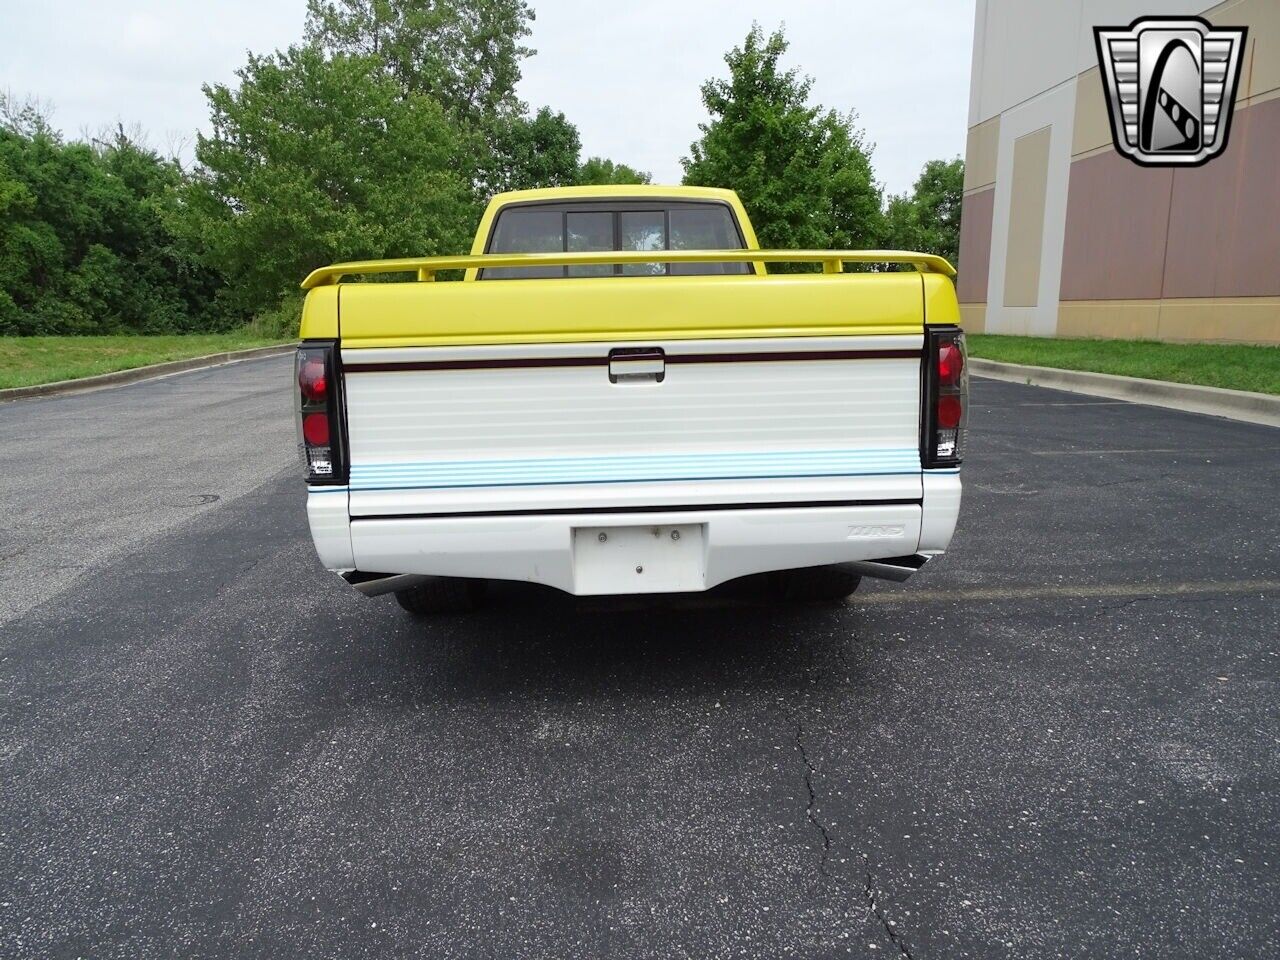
column 620, row 398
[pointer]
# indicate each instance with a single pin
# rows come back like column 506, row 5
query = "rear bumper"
column 542, row 548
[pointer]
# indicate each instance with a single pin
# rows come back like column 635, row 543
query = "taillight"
column 320, row 412
column 946, row 397
column 950, row 364
column 315, row 429
column 311, row 380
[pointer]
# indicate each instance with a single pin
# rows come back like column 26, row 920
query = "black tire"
column 442, row 595
column 831, row 584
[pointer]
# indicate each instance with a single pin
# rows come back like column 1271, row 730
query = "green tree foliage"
column 315, row 159
column 928, row 219
column 527, row 152
column 465, row 54
column 84, row 245
column 597, row 171
column 803, row 172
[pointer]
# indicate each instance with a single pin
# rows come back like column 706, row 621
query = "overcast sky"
column 627, row 77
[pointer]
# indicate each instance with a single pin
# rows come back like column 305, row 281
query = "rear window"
column 547, row 228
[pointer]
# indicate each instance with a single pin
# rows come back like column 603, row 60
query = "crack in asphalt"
column 813, row 799
column 868, row 887
column 1109, row 609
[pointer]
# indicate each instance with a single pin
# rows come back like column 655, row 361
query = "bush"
column 84, row 242
column 279, row 322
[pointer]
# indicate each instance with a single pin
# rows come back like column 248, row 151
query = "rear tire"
column 831, row 584
column 442, row 595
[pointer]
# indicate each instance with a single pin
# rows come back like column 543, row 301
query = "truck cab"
column 619, row 397
column 594, row 219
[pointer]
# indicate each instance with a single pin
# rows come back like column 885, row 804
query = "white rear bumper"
column 637, row 553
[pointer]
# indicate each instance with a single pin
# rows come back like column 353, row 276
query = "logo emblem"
column 1171, row 84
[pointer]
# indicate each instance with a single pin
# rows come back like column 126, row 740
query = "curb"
column 134, row 374
column 1259, row 408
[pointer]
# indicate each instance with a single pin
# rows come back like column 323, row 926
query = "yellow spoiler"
column 426, row 267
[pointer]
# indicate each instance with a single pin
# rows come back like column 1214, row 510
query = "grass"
column 30, row 360
column 1234, row 366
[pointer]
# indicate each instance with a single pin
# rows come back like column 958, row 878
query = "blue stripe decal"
column 877, row 473
column 636, row 468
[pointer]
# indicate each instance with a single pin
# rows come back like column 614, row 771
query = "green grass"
column 1233, row 366
column 30, row 360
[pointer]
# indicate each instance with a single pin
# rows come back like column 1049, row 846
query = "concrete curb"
column 1260, row 408
column 135, row 374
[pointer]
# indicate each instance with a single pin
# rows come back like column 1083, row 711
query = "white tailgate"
column 533, row 427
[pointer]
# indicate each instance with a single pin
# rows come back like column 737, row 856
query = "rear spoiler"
column 426, row 267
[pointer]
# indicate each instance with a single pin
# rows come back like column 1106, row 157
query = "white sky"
column 626, row 73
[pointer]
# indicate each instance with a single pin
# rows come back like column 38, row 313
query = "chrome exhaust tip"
column 376, row 584
column 897, row 569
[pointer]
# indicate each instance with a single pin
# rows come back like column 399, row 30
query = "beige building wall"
column 1062, row 236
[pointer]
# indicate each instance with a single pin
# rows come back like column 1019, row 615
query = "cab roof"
column 613, row 192
column 626, row 191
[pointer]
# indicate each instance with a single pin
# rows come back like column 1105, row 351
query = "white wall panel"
column 1024, row 48
column 1055, row 110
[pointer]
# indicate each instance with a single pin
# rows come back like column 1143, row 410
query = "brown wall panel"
column 1027, row 187
column 1224, row 225
column 1092, row 127
column 1117, row 220
column 1211, row 319
column 973, row 317
column 975, row 246
column 980, row 149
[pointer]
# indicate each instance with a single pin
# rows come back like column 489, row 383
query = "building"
column 1063, row 236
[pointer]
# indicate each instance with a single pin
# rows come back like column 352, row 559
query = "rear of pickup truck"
column 630, row 418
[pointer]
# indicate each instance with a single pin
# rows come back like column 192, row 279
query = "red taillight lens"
column 950, row 365
column 950, row 411
column 315, row 429
column 320, row 422
column 946, row 384
column 311, row 381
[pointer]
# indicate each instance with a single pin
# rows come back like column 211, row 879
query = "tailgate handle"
column 637, row 365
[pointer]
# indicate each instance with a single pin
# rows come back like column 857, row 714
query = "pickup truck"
column 619, row 397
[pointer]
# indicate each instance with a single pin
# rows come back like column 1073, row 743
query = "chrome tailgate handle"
column 637, row 365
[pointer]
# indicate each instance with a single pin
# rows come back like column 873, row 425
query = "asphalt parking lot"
column 1061, row 740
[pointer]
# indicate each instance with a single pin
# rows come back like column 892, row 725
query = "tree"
column 803, row 172
column 464, row 53
column 316, row 159
column 929, row 218
column 597, row 171
column 528, row 152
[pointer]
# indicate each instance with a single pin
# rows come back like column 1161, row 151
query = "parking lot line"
column 1184, row 451
column 1081, row 591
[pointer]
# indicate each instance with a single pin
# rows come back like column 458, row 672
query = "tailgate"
column 582, row 417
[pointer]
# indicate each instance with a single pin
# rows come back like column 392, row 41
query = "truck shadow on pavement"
column 537, row 640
